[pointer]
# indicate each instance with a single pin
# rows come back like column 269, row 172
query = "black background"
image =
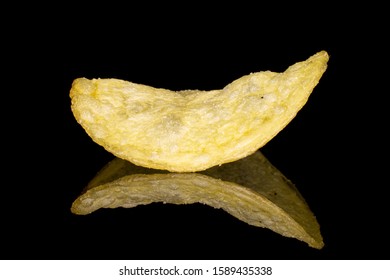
column 329, row 150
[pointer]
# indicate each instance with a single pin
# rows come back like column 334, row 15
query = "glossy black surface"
column 321, row 151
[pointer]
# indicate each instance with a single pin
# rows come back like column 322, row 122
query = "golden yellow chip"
column 250, row 189
column 192, row 130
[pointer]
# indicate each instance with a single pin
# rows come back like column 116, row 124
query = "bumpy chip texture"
column 192, row 130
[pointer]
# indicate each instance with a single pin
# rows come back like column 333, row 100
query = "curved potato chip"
column 192, row 130
column 250, row 189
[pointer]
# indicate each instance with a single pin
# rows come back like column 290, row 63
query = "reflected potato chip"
column 250, row 189
column 193, row 130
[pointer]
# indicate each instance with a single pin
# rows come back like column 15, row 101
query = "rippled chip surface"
column 192, row 130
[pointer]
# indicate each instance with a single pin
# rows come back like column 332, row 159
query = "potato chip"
column 193, row 130
column 250, row 189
